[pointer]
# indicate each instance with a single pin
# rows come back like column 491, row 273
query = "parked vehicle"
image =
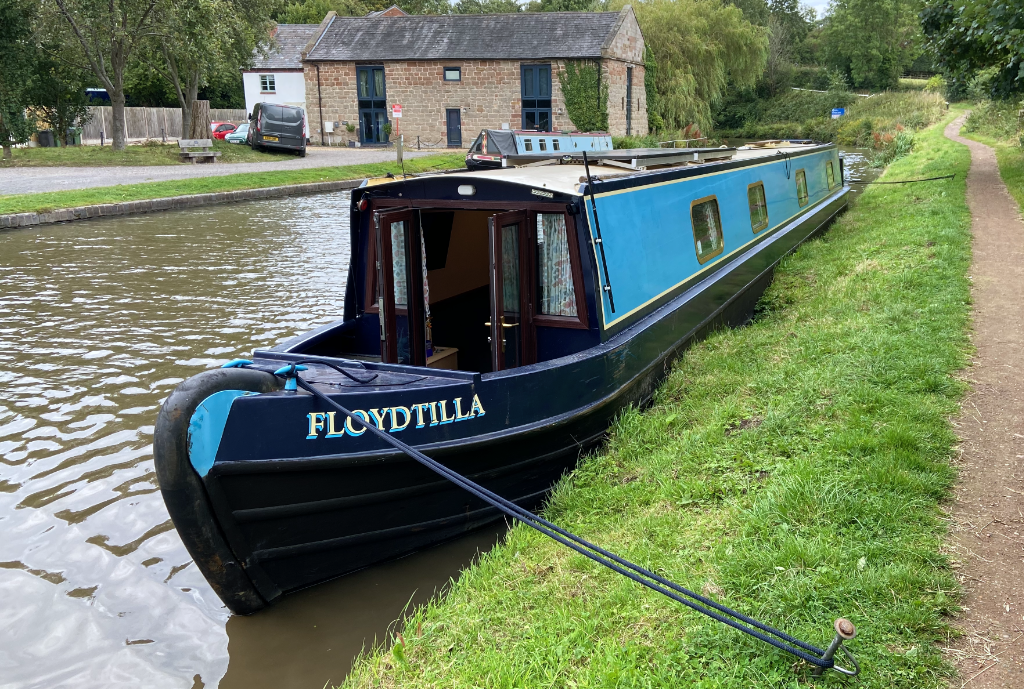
column 274, row 126
column 239, row 136
column 494, row 324
column 221, row 129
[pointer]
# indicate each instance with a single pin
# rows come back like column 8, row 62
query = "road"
column 28, row 180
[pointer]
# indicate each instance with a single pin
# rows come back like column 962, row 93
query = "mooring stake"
column 844, row 632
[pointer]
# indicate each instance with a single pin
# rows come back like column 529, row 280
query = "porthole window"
column 801, row 188
column 758, row 207
column 830, row 174
column 707, row 228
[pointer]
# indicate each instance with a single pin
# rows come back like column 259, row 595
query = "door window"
column 372, row 99
column 556, row 294
column 758, row 207
column 707, row 228
column 507, row 329
column 536, row 96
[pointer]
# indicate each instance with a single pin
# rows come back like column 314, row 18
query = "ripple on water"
column 99, row 321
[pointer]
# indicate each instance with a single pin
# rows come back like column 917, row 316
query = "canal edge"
column 19, row 220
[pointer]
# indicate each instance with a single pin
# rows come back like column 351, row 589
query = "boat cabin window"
column 528, row 144
column 554, row 145
column 830, row 175
column 801, row 188
column 543, row 144
column 534, row 257
column 758, row 207
column 707, row 228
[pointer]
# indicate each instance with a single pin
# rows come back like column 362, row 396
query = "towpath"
column 988, row 517
column 29, row 180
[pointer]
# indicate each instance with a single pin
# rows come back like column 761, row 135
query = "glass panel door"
column 536, row 96
column 400, row 288
column 372, row 100
column 508, row 328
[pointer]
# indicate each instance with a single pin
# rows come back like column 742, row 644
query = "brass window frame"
column 764, row 195
column 693, row 231
column 807, row 194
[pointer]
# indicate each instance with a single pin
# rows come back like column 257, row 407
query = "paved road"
column 27, row 180
column 988, row 516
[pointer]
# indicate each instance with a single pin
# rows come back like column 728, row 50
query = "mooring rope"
column 820, row 658
column 902, row 181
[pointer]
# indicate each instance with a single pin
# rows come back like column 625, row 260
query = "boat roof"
column 566, row 174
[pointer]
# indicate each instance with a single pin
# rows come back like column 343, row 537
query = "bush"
column 892, row 147
column 936, row 84
column 997, row 119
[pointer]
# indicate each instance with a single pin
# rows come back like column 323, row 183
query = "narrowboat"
column 515, row 148
column 496, row 320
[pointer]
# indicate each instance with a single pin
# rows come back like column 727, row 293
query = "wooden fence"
column 149, row 123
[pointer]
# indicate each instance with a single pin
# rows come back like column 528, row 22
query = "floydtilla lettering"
column 393, row 419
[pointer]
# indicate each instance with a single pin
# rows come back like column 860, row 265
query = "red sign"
column 396, row 110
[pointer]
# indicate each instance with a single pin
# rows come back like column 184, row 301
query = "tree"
column 754, row 11
column 15, row 71
column 314, row 11
column 966, row 36
column 778, row 69
column 872, row 40
column 486, row 7
column 110, row 33
column 701, row 46
column 562, row 6
column 57, row 93
column 199, row 37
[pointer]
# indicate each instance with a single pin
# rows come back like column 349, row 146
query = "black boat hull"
column 267, row 519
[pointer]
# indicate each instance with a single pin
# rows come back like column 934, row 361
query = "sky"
column 819, row 6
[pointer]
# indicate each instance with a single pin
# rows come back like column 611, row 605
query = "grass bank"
column 995, row 124
column 806, row 115
column 149, row 153
column 793, row 469
column 48, row 201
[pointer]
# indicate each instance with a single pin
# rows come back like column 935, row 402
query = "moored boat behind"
column 495, row 320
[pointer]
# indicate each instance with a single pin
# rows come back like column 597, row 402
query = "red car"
column 221, row 129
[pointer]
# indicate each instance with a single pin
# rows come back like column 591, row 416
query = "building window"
column 453, row 73
column 830, row 175
column 758, row 207
column 801, row 188
column 267, row 84
column 707, row 228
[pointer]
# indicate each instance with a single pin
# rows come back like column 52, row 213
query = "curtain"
column 398, row 263
column 510, row 268
column 556, row 295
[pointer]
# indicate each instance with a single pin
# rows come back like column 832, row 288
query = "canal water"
column 99, row 321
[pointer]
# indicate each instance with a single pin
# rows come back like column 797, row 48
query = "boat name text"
column 393, row 419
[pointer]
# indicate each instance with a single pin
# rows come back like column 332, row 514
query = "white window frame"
column 268, row 83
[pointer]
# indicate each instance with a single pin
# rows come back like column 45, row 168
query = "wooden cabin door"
column 511, row 324
column 399, row 264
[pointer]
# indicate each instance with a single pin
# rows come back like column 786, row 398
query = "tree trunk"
column 200, row 121
column 118, row 135
column 8, row 153
column 189, row 96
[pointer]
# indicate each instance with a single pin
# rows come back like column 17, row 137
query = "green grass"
column 48, row 201
column 793, row 469
column 151, row 153
column 1010, row 159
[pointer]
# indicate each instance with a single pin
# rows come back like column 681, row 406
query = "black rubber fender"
column 183, row 490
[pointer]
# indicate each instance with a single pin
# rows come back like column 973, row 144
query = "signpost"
column 838, row 112
column 396, row 114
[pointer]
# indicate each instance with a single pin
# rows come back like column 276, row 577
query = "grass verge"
column 995, row 124
column 48, row 201
column 793, row 469
column 149, row 153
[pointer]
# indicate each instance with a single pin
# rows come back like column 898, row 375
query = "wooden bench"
column 205, row 155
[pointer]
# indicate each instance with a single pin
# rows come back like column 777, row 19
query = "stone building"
column 457, row 74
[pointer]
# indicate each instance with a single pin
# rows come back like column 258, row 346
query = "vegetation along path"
column 988, row 518
column 794, row 469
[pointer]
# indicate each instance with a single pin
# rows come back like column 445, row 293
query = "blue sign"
column 838, row 112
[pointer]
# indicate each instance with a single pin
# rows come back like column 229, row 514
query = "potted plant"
column 387, row 131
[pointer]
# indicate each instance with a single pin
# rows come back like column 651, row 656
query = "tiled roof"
column 290, row 39
column 521, row 36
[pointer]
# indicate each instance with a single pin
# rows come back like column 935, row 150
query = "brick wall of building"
column 626, row 49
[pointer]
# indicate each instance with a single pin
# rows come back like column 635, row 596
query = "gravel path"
column 28, row 180
column 988, row 517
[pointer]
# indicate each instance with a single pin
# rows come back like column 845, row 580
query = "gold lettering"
column 331, row 432
column 316, row 424
column 477, row 408
column 459, row 416
column 420, row 423
column 395, row 428
column 433, row 413
column 444, row 413
column 378, row 417
column 348, row 423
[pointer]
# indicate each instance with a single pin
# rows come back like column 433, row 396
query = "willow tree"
column 701, row 47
